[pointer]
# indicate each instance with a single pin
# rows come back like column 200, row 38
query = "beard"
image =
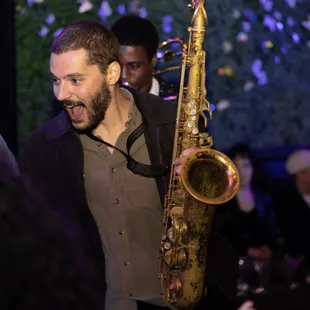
column 99, row 103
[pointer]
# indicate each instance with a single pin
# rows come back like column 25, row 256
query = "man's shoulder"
column 167, row 90
column 52, row 129
column 156, row 100
column 157, row 109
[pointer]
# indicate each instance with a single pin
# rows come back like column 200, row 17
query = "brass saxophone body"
column 208, row 178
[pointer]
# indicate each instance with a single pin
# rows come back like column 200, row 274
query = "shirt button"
column 98, row 143
column 117, row 201
column 130, row 294
column 126, row 263
column 113, row 170
column 121, row 232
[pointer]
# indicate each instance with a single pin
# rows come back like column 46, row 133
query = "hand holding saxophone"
column 179, row 161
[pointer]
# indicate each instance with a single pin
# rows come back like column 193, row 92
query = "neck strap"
column 135, row 167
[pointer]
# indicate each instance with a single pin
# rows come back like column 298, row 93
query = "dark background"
column 8, row 110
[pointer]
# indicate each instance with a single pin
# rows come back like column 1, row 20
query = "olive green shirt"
column 128, row 213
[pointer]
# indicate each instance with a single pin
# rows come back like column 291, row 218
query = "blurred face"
column 303, row 181
column 82, row 88
column 136, row 68
column 245, row 169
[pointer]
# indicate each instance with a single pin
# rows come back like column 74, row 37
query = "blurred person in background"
column 252, row 226
column 293, row 213
column 139, row 40
column 42, row 266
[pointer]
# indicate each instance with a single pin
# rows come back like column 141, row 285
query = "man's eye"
column 76, row 81
column 134, row 66
column 55, row 81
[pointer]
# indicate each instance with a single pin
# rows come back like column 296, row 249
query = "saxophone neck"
column 200, row 18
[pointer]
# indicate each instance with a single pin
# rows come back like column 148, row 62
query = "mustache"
column 71, row 104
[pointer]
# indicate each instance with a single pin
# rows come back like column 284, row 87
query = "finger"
column 178, row 169
column 248, row 305
column 186, row 152
column 179, row 161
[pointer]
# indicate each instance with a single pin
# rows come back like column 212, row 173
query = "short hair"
column 261, row 177
column 98, row 41
column 133, row 30
column 241, row 150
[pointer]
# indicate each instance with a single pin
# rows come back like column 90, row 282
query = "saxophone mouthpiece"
column 200, row 18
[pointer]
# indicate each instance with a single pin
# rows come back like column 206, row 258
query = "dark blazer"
column 167, row 91
column 293, row 215
column 53, row 161
column 34, row 275
column 259, row 229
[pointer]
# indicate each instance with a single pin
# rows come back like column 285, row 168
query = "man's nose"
column 125, row 74
column 62, row 92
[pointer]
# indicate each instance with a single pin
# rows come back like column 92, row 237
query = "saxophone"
column 208, row 178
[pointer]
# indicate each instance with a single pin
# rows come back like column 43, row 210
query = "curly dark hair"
column 40, row 263
column 133, row 30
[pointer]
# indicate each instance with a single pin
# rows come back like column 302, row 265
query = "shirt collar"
column 155, row 87
column 134, row 116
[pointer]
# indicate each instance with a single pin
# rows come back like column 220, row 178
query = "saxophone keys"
column 185, row 143
column 174, row 289
column 190, row 108
column 171, row 234
column 195, row 131
column 178, row 196
column 182, row 258
column 167, row 246
column 188, row 126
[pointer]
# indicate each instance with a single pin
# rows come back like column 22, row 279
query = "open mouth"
column 70, row 105
column 75, row 110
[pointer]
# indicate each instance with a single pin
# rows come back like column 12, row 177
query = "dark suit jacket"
column 53, row 161
column 293, row 215
column 167, row 91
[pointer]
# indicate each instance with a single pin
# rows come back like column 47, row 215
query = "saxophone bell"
column 210, row 176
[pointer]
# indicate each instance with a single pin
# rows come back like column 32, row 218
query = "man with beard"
column 139, row 41
column 103, row 164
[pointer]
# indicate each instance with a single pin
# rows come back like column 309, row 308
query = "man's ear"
column 113, row 73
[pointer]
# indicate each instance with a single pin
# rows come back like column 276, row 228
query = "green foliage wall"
column 257, row 51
